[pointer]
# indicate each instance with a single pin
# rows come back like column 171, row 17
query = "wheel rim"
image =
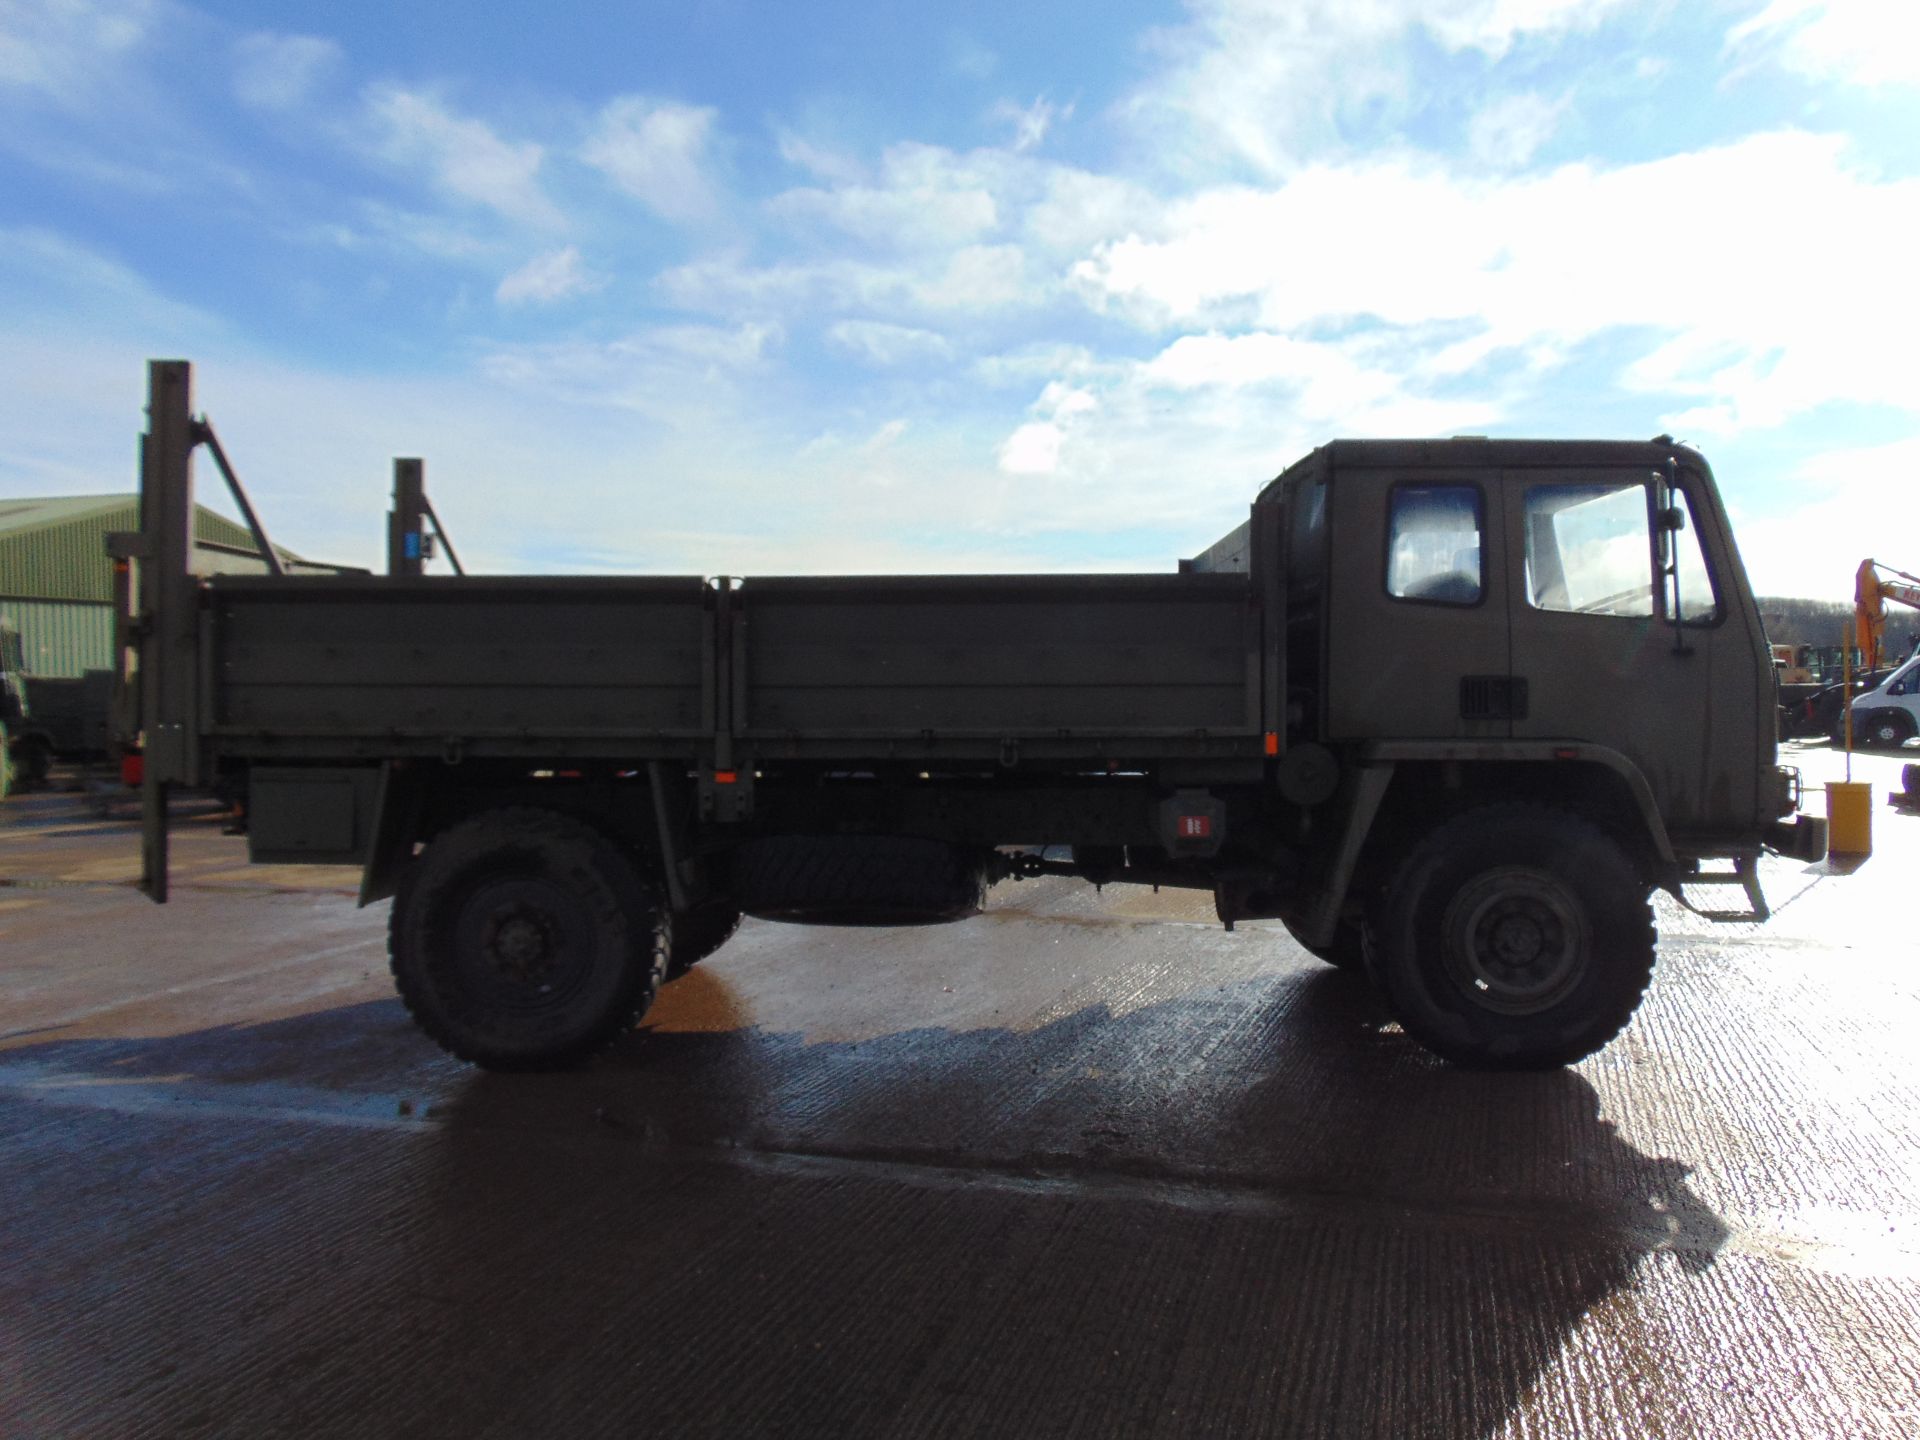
column 519, row 942
column 1516, row 941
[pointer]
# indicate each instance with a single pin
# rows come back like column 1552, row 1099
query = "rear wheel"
column 522, row 939
column 1514, row 938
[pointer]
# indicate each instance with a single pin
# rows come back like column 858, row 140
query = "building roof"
column 18, row 516
column 54, row 547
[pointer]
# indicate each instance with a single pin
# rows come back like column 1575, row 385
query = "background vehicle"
column 1451, row 710
column 1888, row 715
column 13, row 704
column 1820, row 713
column 66, row 719
column 1871, row 591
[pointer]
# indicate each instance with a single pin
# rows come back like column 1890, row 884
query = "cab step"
column 1745, row 873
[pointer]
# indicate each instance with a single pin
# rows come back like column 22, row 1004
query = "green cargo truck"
column 13, row 704
column 1452, row 711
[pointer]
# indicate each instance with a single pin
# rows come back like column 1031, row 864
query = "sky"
column 746, row 288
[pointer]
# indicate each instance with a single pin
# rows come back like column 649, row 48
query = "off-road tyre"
column 1883, row 729
column 857, row 880
column 522, row 939
column 698, row 932
column 1514, row 938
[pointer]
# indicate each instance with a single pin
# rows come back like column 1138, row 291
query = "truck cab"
column 1488, row 598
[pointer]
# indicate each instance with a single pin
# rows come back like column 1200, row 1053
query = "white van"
column 1890, row 714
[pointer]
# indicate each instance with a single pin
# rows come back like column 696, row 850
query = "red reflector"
column 1273, row 743
column 726, row 777
column 1195, row 827
column 1566, row 752
column 133, row 769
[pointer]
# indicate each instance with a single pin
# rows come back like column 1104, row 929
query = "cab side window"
column 1433, row 544
column 1699, row 604
column 1590, row 550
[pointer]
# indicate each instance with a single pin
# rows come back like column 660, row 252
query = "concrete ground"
column 1085, row 1165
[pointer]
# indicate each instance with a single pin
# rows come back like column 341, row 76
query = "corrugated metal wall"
column 69, row 561
column 62, row 637
column 56, row 584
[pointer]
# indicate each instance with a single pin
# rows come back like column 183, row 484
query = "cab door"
column 1419, row 651
column 1604, row 654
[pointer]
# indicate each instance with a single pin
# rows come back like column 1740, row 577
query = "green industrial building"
column 56, row 582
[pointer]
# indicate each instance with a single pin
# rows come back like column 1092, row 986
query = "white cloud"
column 463, row 157
column 1769, row 309
column 1864, row 42
column 1505, row 134
column 280, row 72
column 1222, row 411
column 926, row 231
column 657, row 151
column 1493, row 26
column 969, row 58
column 1268, row 82
column 883, row 344
column 1033, row 449
column 682, row 375
column 545, row 279
column 75, row 328
column 64, row 51
column 818, row 160
column 925, row 198
column 389, row 226
column 979, row 280
column 1848, row 502
column 1031, row 122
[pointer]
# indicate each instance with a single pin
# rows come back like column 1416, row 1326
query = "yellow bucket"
column 1849, row 817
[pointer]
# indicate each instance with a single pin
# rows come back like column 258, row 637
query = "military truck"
column 13, row 703
column 65, row 719
column 1450, row 710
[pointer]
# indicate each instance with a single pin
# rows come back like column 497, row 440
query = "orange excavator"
column 1871, row 591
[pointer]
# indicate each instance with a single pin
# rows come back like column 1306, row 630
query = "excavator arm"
column 1871, row 591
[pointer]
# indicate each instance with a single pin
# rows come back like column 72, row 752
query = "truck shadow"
column 1260, row 1212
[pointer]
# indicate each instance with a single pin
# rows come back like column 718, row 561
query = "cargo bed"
column 1115, row 667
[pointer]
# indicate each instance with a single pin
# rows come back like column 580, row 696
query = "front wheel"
column 523, row 939
column 1884, row 729
column 1514, row 938
column 34, row 762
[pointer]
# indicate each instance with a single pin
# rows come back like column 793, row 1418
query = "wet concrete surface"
column 1085, row 1165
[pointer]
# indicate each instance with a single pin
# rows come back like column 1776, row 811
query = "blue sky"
column 750, row 288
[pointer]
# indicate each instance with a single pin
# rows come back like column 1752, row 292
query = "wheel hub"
column 519, row 942
column 1516, row 940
